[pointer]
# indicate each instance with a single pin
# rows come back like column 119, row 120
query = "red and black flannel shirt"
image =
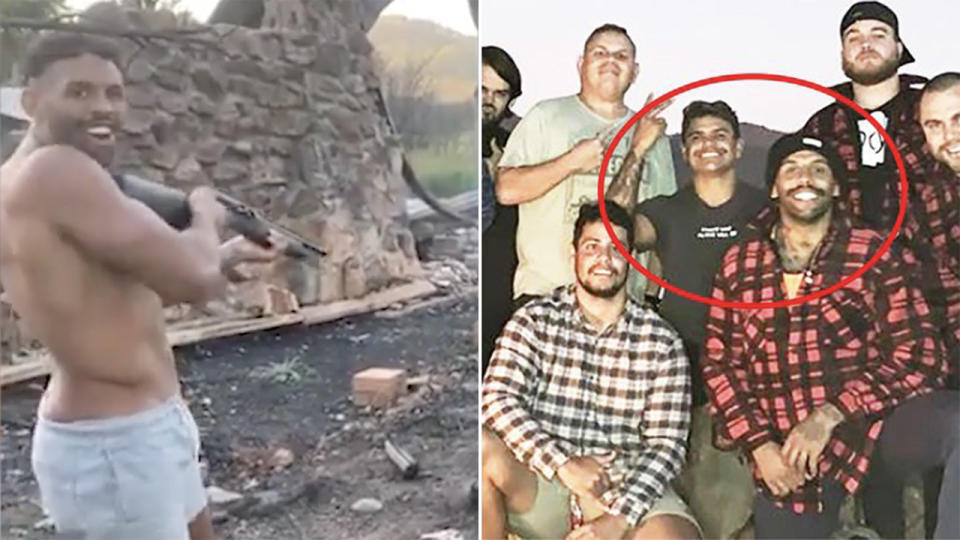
column 932, row 233
column 926, row 231
column 865, row 348
column 837, row 125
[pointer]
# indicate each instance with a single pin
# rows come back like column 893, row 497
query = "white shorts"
column 134, row 477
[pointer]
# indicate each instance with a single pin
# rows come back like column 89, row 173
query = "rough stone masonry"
column 283, row 117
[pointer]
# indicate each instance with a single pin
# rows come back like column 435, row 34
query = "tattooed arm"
column 625, row 186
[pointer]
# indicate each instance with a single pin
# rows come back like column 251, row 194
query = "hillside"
column 451, row 57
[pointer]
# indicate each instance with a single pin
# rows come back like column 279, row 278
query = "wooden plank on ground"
column 40, row 365
column 231, row 328
column 29, row 369
column 371, row 302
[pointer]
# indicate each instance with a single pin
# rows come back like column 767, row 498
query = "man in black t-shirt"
column 690, row 231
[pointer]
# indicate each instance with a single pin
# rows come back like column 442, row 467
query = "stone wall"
column 286, row 118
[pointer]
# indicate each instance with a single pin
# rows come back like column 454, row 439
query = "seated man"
column 809, row 392
column 690, row 231
column 586, row 407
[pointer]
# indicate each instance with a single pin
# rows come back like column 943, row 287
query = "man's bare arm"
column 644, row 233
column 516, row 185
column 71, row 191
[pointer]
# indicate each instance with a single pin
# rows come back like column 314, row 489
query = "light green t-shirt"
column 545, row 226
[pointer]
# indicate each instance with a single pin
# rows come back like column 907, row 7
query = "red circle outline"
column 764, row 77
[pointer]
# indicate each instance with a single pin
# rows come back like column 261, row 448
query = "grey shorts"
column 134, row 477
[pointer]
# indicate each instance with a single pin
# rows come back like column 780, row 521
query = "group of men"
column 592, row 396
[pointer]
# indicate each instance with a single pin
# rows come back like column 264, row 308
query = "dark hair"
column 942, row 82
column 590, row 213
column 610, row 28
column 52, row 47
column 718, row 108
column 503, row 64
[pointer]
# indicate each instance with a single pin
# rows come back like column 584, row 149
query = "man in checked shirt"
column 873, row 52
column 815, row 392
column 586, row 407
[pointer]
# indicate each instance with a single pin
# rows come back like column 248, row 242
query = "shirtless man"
column 89, row 270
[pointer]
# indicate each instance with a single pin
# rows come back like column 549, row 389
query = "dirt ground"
column 278, row 427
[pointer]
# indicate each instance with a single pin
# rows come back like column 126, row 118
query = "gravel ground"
column 278, row 428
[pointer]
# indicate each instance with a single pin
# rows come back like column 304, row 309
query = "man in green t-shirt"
column 551, row 162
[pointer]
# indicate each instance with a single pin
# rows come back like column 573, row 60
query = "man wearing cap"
column 552, row 160
column 812, row 391
column 690, row 231
column 501, row 86
column 872, row 52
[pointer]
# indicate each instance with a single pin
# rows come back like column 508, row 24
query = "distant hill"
column 452, row 56
column 752, row 166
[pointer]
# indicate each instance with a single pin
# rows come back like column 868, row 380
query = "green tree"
column 13, row 41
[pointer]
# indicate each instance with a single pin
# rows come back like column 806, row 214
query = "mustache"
column 943, row 147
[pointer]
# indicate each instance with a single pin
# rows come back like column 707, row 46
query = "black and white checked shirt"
column 556, row 388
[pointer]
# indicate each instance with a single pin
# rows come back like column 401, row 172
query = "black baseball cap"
column 879, row 12
column 795, row 142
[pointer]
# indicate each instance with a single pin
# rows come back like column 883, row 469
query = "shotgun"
column 172, row 206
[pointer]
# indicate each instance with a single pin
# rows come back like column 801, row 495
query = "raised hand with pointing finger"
column 648, row 128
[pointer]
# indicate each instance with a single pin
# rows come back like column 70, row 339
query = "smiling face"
column 871, row 52
column 601, row 269
column 710, row 146
column 805, row 186
column 80, row 102
column 940, row 118
column 607, row 66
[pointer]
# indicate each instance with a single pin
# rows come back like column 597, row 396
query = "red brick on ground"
column 378, row 387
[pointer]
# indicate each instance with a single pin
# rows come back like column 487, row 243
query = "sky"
column 681, row 41
column 450, row 13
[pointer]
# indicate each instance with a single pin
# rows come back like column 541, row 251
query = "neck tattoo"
column 793, row 258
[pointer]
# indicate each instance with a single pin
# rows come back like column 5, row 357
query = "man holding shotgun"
column 89, row 270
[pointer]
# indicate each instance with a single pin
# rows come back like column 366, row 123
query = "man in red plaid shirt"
column 872, row 53
column 939, row 115
column 587, row 401
column 812, row 391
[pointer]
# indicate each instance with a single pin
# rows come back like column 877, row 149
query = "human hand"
column 779, row 476
column 585, row 475
column 605, row 527
column 240, row 250
column 586, row 155
column 205, row 208
column 806, row 441
column 649, row 128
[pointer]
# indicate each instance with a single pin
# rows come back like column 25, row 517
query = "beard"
column 814, row 214
column 72, row 132
column 603, row 292
column 867, row 77
column 490, row 115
